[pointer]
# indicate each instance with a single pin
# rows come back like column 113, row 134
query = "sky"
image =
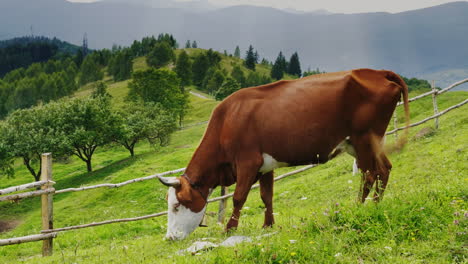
column 334, row 6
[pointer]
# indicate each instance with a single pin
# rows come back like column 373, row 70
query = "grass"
column 421, row 220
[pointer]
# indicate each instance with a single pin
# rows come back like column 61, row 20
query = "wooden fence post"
column 434, row 104
column 222, row 205
column 47, row 202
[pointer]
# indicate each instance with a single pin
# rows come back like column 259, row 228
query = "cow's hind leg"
column 373, row 163
column 382, row 175
column 266, row 192
column 246, row 176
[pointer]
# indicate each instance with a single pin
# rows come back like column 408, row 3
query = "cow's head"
column 186, row 207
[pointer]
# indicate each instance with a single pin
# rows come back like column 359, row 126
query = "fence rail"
column 24, row 239
column 47, row 191
column 429, row 118
column 165, row 212
column 20, row 196
column 23, row 187
column 437, row 92
column 117, row 185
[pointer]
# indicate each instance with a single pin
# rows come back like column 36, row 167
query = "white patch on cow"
column 270, row 163
column 181, row 221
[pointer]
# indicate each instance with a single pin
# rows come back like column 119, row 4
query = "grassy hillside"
column 421, row 218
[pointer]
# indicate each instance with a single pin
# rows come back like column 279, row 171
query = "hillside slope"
column 317, row 220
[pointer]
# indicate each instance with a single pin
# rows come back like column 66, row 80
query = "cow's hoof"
column 232, row 225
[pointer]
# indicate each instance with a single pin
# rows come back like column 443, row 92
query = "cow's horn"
column 169, row 181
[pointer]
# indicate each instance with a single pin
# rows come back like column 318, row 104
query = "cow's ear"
column 170, row 181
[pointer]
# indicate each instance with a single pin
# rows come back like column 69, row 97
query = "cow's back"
column 300, row 121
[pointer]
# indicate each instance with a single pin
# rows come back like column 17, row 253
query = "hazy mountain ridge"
column 413, row 43
column 62, row 46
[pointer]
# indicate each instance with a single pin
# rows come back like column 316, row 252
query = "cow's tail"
column 404, row 92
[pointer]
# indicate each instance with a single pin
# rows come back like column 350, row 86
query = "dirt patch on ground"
column 6, row 226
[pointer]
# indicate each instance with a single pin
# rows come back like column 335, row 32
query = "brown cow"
column 287, row 123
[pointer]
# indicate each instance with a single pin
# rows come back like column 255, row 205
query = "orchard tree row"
column 80, row 126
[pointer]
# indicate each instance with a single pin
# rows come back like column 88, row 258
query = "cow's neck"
column 201, row 170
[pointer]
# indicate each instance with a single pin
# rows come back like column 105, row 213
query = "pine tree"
column 229, row 86
column 213, row 80
column 194, row 44
column 100, row 90
column 237, row 52
column 238, row 75
column 187, row 44
column 85, row 45
column 79, row 58
column 199, row 67
column 161, row 55
column 183, row 69
column 121, row 65
column 136, row 48
column 278, row 69
column 294, row 67
column 90, row 71
column 250, row 59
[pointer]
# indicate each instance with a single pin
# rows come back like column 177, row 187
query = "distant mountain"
column 23, row 51
column 62, row 46
column 412, row 43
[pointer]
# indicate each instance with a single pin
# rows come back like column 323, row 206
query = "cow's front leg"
column 266, row 192
column 239, row 198
column 246, row 176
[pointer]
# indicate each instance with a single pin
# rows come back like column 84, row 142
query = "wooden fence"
column 47, row 191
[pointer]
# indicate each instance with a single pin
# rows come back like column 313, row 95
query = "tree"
column 6, row 156
column 187, row 44
column 100, row 90
column 237, row 52
column 312, row 72
column 294, row 67
column 238, row 75
column 214, row 58
column 194, row 44
column 88, row 124
column 89, row 71
column 213, row 80
column 33, row 70
column 51, row 66
column 159, row 86
column 265, row 62
column 161, row 55
column 144, row 121
column 79, row 58
column 147, row 44
column 102, row 57
column 250, row 59
column 229, row 86
column 136, row 48
column 169, row 39
column 121, row 65
column 278, row 69
column 183, row 69
column 199, row 67
column 5, row 91
column 23, row 96
column 31, row 132
column 85, row 45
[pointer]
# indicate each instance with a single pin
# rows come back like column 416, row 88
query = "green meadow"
column 422, row 219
